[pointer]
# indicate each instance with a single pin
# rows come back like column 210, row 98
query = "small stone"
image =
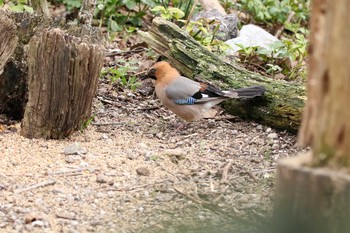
column 74, row 148
column 38, row 223
column 104, row 136
column 272, row 135
column 159, row 135
column 142, row 171
column 71, row 158
column 275, row 146
column 100, row 178
column 29, row 218
column 259, row 127
column 268, row 130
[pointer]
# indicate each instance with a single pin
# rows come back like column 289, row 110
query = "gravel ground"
column 131, row 171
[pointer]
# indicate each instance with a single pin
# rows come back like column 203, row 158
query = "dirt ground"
column 130, row 171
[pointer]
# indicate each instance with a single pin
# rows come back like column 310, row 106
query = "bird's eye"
column 152, row 73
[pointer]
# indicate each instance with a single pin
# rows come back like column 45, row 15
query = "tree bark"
column 309, row 199
column 313, row 189
column 326, row 125
column 281, row 107
column 13, row 80
column 63, row 75
column 8, row 40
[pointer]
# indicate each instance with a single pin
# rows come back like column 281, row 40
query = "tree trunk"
column 326, row 125
column 313, row 190
column 13, row 80
column 63, row 75
column 283, row 101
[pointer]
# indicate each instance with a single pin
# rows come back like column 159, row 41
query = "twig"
column 108, row 102
column 279, row 31
column 138, row 186
column 65, row 217
column 72, row 171
column 224, row 178
column 136, row 50
column 167, row 171
column 110, row 123
column 251, row 175
column 35, row 186
column 192, row 198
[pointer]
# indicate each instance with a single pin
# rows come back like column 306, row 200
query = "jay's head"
column 162, row 71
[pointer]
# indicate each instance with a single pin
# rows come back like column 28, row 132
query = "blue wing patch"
column 188, row 101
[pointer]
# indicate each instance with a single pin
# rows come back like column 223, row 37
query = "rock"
column 251, row 35
column 71, row 158
column 100, row 178
column 272, row 135
column 39, row 223
column 228, row 23
column 29, row 218
column 143, row 171
column 74, row 148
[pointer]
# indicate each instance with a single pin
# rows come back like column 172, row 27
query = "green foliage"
column 204, row 31
column 121, row 75
column 286, row 57
column 276, row 12
column 18, row 6
column 72, row 4
column 87, row 123
column 169, row 12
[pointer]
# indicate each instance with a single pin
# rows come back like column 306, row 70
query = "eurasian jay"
column 189, row 99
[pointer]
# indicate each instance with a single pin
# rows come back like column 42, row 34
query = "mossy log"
column 282, row 105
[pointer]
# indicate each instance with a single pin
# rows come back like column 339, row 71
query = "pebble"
column 100, row 178
column 272, row 135
column 74, row 148
column 142, row 171
column 71, row 158
column 38, row 223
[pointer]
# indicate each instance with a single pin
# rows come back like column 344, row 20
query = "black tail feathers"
column 249, row 92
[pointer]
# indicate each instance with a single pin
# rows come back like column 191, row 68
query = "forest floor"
column 137, row 173
column 131, row 171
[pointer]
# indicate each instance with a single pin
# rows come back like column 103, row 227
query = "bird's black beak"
column 150, row 74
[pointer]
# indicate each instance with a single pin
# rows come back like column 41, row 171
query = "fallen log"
column 282, row 105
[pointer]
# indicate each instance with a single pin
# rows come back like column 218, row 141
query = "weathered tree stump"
column 313, row 190
column 309, row 199
column 63, row 73
column 8, row 40
column 282, row 103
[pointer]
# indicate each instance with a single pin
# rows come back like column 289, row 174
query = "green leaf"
column 28, row 9
column 114, row 27
column 17, row 8
column 176, row 12
column 130, row 4
column 158, row 9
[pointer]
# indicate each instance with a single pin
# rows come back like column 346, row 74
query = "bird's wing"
column 186, row 91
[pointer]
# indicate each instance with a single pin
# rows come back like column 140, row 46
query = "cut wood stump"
column 283, row 102
column 63, row 74
column 309, row 199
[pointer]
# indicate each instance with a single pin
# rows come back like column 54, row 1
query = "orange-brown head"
column 163, row 72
